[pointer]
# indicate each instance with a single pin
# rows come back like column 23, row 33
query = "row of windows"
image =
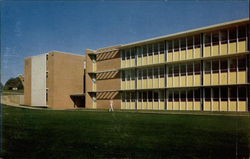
column 215, row 94
column 211, row 38
column 213, row 66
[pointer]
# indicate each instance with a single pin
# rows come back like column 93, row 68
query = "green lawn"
column 93, row 134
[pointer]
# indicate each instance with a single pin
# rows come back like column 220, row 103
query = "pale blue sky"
column 31, row 28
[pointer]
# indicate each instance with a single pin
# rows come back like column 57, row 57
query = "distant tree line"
column 12, row 83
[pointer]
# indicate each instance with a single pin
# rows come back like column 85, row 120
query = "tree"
column 1, row 86
column 13, row 83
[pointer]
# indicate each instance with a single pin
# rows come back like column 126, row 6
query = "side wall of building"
column 38, row 80
column 27, row 81
column 65, row 77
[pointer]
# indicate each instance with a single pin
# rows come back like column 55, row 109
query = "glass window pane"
column 170, row 46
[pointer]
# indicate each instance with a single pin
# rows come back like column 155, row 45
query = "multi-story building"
column 205, row 69
column 53, row 79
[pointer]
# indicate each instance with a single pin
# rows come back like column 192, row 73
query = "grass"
column 98, row 134
column 13, row 91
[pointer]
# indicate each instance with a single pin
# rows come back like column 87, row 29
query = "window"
column 139, row 74
column 144, row 50
column 132, row 96
column 176, row 96
column 47, row 95
column 215, row 66
column 190, row 69
column 223, row 65
column 197, row 68
column 144, row 73
column 156, row 70
column 190, row 42
column 233, row 93
column 133, row 53
column 207, row 94
column 132, row 74
column 170, row 96
column 123, row 96
column 232, row 35
column 183, row 44
column 197, row 41
column 183, row 70
column 150, row 96
column 242, row 64
column 150, row 50
column 183, row 96
column 139, row 51
column 215, row 38
column 176, row 70
column 197, row 95
column 170, row 71
column 208, row 39
column 242, row 93
column 155, row 49
column 123, row 54
column 139, row 96
column 128, row 73
column 216, row 94
column 190, row 95
column 161, row 95
column 207, row 67
column 150, row 73
column 162, row 47
column 170, row 46
column 144, row 96
column 233, row 65
column 242, row 33
column 224, row 94
column 162, row 71
column 223, row 36
column 127, row 54
column 176, row 45
column 123, row 75
column 156, row 96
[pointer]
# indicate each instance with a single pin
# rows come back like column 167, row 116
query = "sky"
column 32, row 28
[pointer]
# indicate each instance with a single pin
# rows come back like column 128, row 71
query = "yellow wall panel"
column 232, row 77
column 197, row 105
column 215, row 106
column 132, row 105
column 207, row 51
column 169, row 105
column 197, row 79
column 207, row 79
column 162, row 58
column 132, row 62
column 139, row 84
column 223, row 105
column 150, row 83
column 139, row 61
column 123, row 85
column 139, row 105
column 155, row 105
column 242, row 46
column 183, row 55
column 189, row 53
column 176, row 106
column 150, row 106
column 242, row 76
column 123, row 105
column 144, row 105
column 190, row 80
column 150, row 59
column 144, row 83
column 170, row 57
column 182, row 105
column 223, row 78
column 155, row 83
column 161, row 82
column 123, row 64
column 127, row 105
column 232, row 106
column 223, row 49
column 161, row 106
column 182, row 81
column 207, row 106
column 127, row 63
column 242, row 106
column 176, row 56
column 189, row 105
column 144, row 60
column 132, row 86
column 215, row 50
column 197, row 53
column 170, row 82
column 215, row 78
column 232, row 47
column 156, row 58
column 176, row 81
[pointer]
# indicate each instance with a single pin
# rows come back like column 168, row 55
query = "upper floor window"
column 183, row 44
column 223, row 35
column 242, row 64
column 197, row 68
column 150, row 50
column 232, row 35
column 242, row 33
column 156, row 96
column 123, row 55
column 224, row 93
column 170, row 46
column 197, row 41
column 207, row 39
column 215, row 38
column 155, row 48
column 162, row 47
column 156, row 72
column 162, row 71
column 170, row 71
column 144, row 73
column 128, row 54
column 190, row 42
column 223, row 65
column 176, row 70
column 139, row 51
column 183, row 95
column 233, row 65
column 190, row 69
column 133, row 53
column 176, row 45
column 150, row 73
column 190, row 95
column 183, row 70
column 207, row 65
column 144, row 50
column 215, row 66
